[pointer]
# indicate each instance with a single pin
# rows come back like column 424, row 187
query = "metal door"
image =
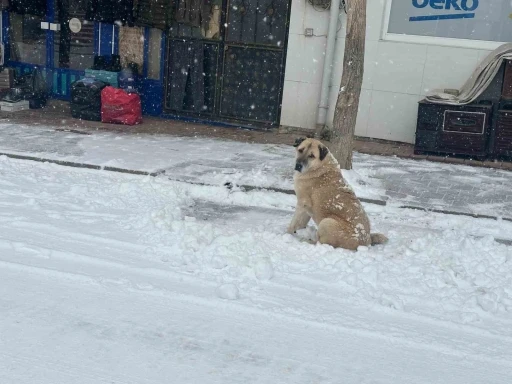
column 233, row 73
column 254, row 60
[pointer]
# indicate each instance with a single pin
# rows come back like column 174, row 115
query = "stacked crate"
column 501, row 143
column 480, row 130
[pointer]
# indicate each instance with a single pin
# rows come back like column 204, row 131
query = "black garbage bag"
column 29, row 86
column 32, row 86
column 86, row 99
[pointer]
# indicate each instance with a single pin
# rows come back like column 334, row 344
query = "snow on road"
column 113, row 278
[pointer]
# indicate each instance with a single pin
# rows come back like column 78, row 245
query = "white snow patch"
column 263, row 269
column 228, row 292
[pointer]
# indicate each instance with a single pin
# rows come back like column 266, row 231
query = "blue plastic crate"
column 111, row 78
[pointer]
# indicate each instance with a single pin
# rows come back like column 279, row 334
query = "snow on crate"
column 435, row 266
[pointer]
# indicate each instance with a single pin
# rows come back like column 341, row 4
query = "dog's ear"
column 298, row 141
column 323, row 151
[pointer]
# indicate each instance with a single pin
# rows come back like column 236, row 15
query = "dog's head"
column 310, row 155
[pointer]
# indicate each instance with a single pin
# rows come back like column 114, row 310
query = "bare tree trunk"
column 345, row 114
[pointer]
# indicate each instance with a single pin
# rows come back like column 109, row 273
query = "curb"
column 372, row 201
column 230, row 185
column 248, row 188
column 81, row 165
column 455, row 213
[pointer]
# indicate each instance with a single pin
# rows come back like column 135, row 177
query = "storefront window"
column 74, row 50
column 131, row 45
column 454, row 19
column 27, row 39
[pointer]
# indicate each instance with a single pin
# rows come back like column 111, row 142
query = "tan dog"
column 324, row 196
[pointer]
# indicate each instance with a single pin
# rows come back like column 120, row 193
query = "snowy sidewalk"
column 412, row 183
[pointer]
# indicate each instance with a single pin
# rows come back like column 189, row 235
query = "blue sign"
column 464, row 9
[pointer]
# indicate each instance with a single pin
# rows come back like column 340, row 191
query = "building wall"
column 396, row 75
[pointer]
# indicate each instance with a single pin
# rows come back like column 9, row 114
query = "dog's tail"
column 378, row 238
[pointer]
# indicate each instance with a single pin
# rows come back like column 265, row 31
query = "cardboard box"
column 7, row 106
column 7, row 78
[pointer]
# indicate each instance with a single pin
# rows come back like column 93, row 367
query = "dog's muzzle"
column 298, row 167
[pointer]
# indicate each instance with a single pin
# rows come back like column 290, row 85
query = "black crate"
column 502, row 136
column 454, row 130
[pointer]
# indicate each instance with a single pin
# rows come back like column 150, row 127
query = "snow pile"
column 459, row 279
column 228, row 292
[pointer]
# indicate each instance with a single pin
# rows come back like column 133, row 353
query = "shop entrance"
column 225, row 60
column 40, row 36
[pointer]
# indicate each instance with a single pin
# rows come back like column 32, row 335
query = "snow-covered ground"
column 400, row 182
column 114, row 278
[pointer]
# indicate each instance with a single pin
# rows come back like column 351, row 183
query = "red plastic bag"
column 120, row 107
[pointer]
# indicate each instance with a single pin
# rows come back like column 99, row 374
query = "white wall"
column 397, row 75
column 304, row 66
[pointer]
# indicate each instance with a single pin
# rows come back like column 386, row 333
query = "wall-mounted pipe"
column 330, row 47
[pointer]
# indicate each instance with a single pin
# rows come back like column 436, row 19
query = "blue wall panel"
column 105, row 32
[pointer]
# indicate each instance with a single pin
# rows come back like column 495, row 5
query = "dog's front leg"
column 300, row 219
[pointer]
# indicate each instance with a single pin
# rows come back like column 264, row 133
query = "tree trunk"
column 345, row 114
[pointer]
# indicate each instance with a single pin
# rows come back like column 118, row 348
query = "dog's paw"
column 291, row 230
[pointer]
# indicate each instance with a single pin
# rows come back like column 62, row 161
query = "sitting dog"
column 323, row 195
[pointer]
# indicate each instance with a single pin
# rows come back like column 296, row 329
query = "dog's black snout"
column 298, row 167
